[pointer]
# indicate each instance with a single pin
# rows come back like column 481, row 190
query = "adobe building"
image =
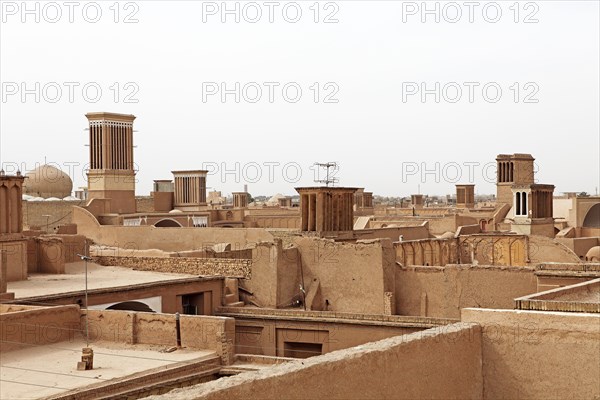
column 271, row 292
column 285, row 201
column 533, row 210
column 11, row 192
column 111, row 174
column 581, row 214
column 13, row 244
column 326, row 209
column 367, row 199
column 358, row 198
column 215, row 198
column 163, row 195
column 240, row 199
column 363, row 200
column 512, row 169
column 465, row 196
column 417, row 200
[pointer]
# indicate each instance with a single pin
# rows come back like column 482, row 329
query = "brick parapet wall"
column 584, row 267
column 341, row 317
column 233, row 268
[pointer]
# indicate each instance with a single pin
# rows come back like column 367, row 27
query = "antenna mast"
column 328, row 179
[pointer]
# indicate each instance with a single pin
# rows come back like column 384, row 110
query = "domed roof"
column 593, row 254
column 47, row 181
column 274, row 200
column 447, row 235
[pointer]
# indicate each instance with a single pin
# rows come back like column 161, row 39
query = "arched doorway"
column 167, row 223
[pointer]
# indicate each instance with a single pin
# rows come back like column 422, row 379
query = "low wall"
column 468, row 230
column 539, row 355
column 554, row 275
column 210, row 253
column 166, row 239
column 234, row 268
column 22, row 326
column 580, row 297
column 486, row 249
column 442, row 363
column 197, row 331
column 394, row 232
column 442, row 291
column 272, row 221
column 427, row 252
column 436, row 223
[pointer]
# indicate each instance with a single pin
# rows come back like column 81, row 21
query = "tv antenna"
column 328, row 179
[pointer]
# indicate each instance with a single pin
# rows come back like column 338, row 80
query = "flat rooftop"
column 580, row 297
column 48, row 370
column 99, row 277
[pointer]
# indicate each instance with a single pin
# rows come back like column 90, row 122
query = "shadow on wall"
column 131, row 306
column 592, row 218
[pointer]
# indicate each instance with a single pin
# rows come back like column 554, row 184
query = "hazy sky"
column 362, row 69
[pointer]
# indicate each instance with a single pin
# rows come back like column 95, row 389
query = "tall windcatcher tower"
column 111, row 174
column 513, row 169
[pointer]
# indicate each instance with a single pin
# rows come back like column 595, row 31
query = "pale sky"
column 366, row 72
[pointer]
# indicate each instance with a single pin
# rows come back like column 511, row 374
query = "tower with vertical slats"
column 111, row 173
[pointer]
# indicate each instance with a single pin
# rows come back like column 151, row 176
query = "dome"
column 447, row 235
column 593, row 254
column 274, row 200
column 47, row 181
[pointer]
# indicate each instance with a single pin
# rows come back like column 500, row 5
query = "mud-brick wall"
column 49, row 253
column 444, row 363
column 441, row 292
column 15, row 251
column 538, row 355
column 196, row 331
column 3, row 269
column 60, row 213
column 183, row 265
column 23, row 328
column 144, row 204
